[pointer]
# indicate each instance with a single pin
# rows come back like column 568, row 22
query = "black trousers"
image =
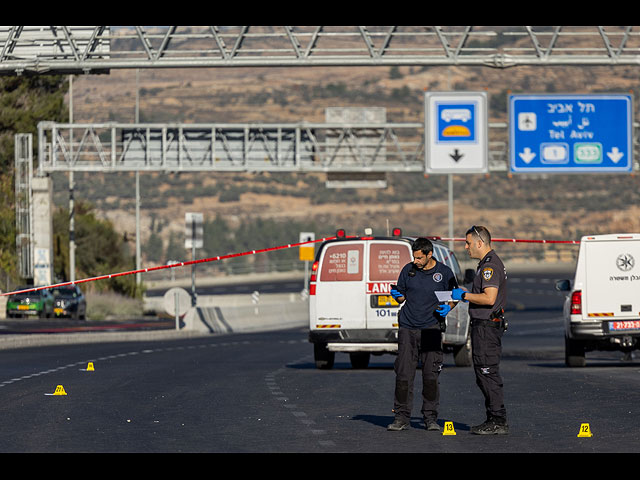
column 416, row 346
column 486, row 346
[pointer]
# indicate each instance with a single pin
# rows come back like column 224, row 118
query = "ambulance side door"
column 340, row 285
column 385, row 261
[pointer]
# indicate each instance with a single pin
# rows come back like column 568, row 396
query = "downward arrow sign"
column 456, row 155
column 527, row 155
column 615, row 155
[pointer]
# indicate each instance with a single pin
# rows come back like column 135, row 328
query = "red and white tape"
column 514, row 240
column 162, row 267
column 249, row 252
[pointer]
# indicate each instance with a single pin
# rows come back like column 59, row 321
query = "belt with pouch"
column 492, row 322
column 496, row 319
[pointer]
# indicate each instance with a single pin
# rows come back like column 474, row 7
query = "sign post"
column 176, row 303
column 571, row 133
column 456, row 136
column 193, row 238
column 307, row 254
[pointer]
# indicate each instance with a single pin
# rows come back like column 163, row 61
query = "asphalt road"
column 261, row 393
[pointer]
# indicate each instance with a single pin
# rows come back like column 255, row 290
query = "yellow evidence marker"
column 59, row 391
column 585, row 431
column 448, row 429
column 89, row 368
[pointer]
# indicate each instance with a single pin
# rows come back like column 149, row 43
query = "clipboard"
column 444, row 296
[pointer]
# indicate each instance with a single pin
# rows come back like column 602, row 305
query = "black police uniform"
column 487, row 327
column 420, row 338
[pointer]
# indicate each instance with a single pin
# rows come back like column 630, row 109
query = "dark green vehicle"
column 38, row 303
column 69, row 301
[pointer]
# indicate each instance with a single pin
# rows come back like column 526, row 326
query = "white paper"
column 444, row 296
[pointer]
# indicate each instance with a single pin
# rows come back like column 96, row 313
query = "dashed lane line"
column 120, row 355
column 295, row 410
column 270, row 380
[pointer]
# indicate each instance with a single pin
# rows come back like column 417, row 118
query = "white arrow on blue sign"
column 571, row 133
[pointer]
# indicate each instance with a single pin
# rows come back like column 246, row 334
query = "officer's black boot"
column 398, row 424
column 493, row 426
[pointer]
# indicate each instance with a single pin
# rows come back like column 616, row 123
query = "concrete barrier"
column 237, row 314
column 216, row 314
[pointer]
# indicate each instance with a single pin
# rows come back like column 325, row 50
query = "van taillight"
column 312, row 280
column 576, row 303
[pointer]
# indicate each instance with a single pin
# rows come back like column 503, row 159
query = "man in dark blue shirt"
column 419, row 333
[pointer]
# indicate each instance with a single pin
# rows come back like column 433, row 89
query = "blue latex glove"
column 456, row 294
column 395, row 293
column 443, row 310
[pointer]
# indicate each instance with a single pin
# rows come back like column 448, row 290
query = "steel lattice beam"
column 322, row 147
column 90, row 49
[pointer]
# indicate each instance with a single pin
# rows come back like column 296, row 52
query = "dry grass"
column 102, row 306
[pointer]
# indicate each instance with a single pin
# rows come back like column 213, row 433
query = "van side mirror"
column 563, row 285
column 469, row 275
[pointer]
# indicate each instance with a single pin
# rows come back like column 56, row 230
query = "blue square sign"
column 571, row 133
column 456, row 122
column 456, row 134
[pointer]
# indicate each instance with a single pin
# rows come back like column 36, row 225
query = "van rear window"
column 386, row 260
column 342, row 263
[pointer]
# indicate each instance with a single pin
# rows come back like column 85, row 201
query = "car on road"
column 602, row 307
column 351, row 309
column 69, row 301
column 38, row 303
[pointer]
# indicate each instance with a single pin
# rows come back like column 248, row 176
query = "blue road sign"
column 571, row 133
column 456, row 122
column 456, row 132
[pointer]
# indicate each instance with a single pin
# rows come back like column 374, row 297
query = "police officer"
column 420, row 334
column 487, row 300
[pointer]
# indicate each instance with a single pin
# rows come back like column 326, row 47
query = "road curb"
column 8, row 342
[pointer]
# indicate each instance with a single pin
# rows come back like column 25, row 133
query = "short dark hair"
column 423, row 244
column 481, row 232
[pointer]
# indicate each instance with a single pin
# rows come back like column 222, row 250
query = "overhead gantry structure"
column 95, row 49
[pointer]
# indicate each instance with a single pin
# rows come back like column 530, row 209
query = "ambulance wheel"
column 359, row 360
column 323, row 357
column 573, row 353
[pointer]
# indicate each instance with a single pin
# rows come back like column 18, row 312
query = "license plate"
column 58, row 311
column 624, row 325
column 386, row 301
column 23, row 307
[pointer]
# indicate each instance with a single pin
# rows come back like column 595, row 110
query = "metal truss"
column 303, row 147
column 91, row 49
column 23, row 206
column 321, row 147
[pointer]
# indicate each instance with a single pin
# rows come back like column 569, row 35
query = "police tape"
column 511, row 240
column 163, row 267
column 250, row 252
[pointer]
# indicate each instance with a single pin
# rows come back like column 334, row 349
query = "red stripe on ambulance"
column 378, row 287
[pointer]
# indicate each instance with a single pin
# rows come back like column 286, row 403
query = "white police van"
column 351, row 309
column 602, row 309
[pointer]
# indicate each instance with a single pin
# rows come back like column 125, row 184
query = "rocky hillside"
column 552, row 207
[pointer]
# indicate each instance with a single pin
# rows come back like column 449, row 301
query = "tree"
column 153, row 247
column 24, row 101
column 100, row 250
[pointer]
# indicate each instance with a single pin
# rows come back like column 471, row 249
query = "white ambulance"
column 351, row 309
column 602, row 309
